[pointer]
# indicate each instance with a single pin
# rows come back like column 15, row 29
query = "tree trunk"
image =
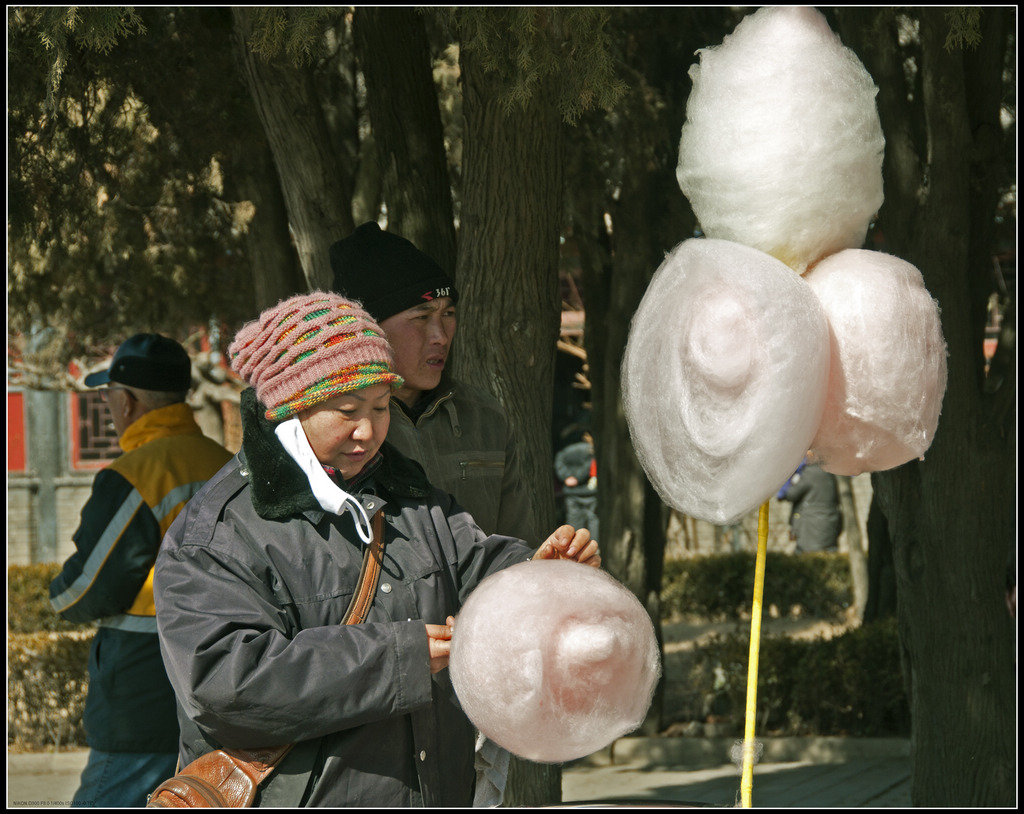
column 881, row 599
column 338, row 85
column 393, row 52
column 951, row 515
column 315, row 188
column 627, row 213
column 276, row 273
column 854, row 545
column 633, row 519
column 617, row 267
column 509, row 311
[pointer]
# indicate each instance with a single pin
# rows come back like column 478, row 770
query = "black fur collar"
column 279, row 486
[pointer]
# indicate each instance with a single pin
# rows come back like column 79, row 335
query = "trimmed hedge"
column 46, row 684
column 47, row 665
column 28, row 600
column 719, row 587
column 848, row 685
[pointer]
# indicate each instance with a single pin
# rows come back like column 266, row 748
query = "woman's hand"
column 567, row 543
column 439, row 640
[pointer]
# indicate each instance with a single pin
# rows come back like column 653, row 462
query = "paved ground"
column 43, row 781
column 794, row 772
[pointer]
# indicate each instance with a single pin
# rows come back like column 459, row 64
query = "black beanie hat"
column 386, row 273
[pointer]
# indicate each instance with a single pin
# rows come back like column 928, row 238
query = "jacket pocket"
column 485, row 465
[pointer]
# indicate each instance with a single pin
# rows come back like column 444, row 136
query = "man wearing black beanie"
column 458, row 433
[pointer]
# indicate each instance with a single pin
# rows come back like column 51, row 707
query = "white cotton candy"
column 724, row 377
column 554, row 660
column 888, row 373
column 782, row 148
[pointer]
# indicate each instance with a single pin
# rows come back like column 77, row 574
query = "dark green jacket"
column 464, row 441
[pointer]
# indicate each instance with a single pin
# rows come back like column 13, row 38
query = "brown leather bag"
column 230, row 778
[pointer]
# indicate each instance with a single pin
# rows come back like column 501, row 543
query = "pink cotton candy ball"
column 554, row 660
column 723, row 378
column 888, row 371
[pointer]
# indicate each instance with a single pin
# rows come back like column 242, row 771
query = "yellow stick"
column 747, row 780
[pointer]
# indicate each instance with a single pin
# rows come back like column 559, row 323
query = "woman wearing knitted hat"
column 255, row 578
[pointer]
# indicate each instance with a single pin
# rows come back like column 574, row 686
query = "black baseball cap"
column 149, row 362
column 386, row 273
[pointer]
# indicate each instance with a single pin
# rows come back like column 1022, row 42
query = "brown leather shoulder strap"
column 369, row 574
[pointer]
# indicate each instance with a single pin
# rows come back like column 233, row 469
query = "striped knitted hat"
column 308, row 349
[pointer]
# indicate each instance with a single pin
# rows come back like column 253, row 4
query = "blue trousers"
column 122, row 779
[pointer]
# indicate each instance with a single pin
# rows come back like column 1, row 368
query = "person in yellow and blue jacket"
column 130, row 713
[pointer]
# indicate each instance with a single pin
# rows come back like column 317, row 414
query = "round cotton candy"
column 888, row 371
column 782, row 148
column 724, row 377
column 554, row 660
